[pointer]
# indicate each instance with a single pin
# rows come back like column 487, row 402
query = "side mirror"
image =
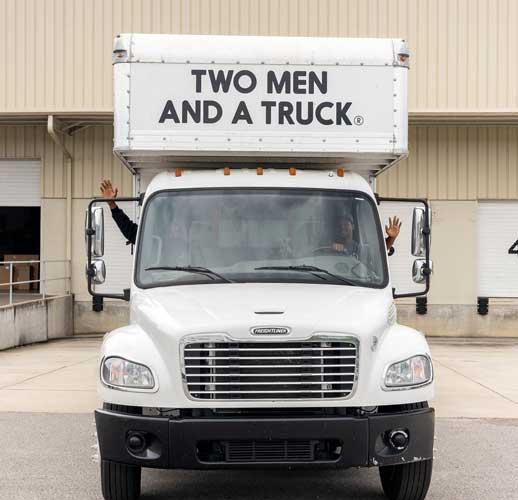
column 418, row 232
column 95, row 230
column 98, row 228
column 95, row 247
column 410, row 265
column 420, row 270
column 97, row 271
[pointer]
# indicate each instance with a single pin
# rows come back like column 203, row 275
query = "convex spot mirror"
column 420, row 270
column 97, row 271
column 96, row 230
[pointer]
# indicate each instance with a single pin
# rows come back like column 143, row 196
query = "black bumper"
column 176, row 443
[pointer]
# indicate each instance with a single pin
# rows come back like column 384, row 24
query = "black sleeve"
column 127, row 227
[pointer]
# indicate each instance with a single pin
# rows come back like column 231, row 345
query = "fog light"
column 398, row 439
column 136, row 442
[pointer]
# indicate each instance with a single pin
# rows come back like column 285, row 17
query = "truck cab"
column 263, row 329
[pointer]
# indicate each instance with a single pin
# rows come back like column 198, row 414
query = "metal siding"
column 92, row 155
column 93, row 160
column 456, row 163
column 57, row 53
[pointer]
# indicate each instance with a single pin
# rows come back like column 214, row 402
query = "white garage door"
column 20, row 182
column 497, row 231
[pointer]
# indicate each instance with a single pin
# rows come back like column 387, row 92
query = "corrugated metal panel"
column 456, row 163
column 91, row 149
column 57, row 53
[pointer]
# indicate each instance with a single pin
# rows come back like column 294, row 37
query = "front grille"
column 270, row 370
column 270, row 451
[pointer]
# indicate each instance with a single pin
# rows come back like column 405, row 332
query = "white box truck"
column 263, row 328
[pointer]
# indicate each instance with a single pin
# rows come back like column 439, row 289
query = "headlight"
column 408, row 373
column 120, row 372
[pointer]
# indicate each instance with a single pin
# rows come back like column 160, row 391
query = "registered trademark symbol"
column 358, row 120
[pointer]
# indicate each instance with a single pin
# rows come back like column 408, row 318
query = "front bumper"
column 179, row 443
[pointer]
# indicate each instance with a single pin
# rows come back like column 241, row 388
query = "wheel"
column 120, row 481
column 407, row 481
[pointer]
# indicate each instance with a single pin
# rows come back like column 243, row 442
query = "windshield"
column 260, row 235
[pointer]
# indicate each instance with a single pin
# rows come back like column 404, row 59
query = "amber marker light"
column 260, row 170
column 226, row 171
column 178, row 172
column 340, row 172
column 293, row 171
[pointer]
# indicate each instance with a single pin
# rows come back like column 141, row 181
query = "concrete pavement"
column 54, row 377
column 475, row 378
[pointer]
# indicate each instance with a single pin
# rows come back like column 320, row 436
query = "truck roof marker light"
column 293, row 171
column 226, row 171
column 340, row 172
column 260, row 170
column 178, row 172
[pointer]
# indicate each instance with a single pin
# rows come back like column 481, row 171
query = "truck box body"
column 231, row 99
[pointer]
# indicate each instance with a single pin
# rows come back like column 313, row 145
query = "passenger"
column 392, row 230
column 127, row 227
column 350, row 246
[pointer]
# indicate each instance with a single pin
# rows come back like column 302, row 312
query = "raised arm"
column 392, row 230
column 126, row 226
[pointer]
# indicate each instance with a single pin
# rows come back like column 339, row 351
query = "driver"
column 349, row 246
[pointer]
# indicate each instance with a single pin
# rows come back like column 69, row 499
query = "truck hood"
column 236, row 308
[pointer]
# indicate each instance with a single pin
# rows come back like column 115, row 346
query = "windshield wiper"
column 191, row 269
column 307, row 269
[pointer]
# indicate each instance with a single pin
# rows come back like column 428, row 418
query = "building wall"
column 56, row 54
column 451, row 166
column 457, row 163
column 56, row 58
column 91, row 149
column 93, row 160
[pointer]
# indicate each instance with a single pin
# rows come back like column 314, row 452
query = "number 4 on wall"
column 513, row 249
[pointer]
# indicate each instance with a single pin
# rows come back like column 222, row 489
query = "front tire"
column 407, row 481
column 120, row 481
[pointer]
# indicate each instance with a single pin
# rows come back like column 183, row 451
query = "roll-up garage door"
column 20, row 182
column 497, row 232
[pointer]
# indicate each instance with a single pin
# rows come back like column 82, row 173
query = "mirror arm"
column 427, row 232
column 89, row 235
column 90, row 271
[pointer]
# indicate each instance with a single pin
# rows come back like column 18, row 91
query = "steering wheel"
column 326, row 251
